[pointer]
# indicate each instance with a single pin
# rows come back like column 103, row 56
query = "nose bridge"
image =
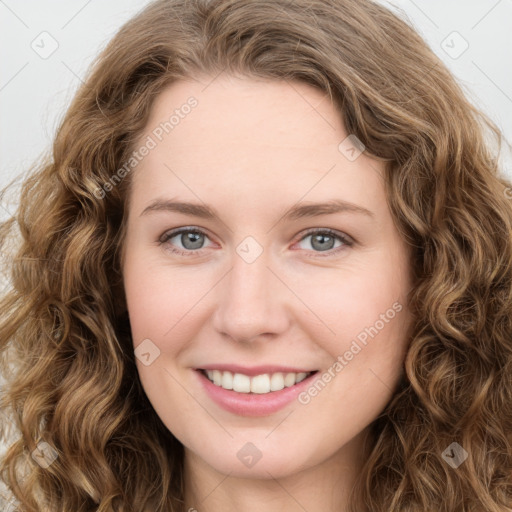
column 249, row 302
column 249, row 280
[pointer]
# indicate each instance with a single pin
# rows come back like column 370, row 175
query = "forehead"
column 249, row 110
column 249, row 137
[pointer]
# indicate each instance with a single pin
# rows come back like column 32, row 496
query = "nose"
column 252, row 301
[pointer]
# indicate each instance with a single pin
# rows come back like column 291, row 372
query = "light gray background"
column 35, row 91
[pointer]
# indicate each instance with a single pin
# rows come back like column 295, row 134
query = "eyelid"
column 339, row 234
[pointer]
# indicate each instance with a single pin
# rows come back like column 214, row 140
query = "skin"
column 252, row 149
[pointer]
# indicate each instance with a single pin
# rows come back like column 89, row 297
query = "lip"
column 252, row 371
column 252, row 404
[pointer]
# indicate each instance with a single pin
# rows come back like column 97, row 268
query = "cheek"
column 161, row 300
column 344, row 301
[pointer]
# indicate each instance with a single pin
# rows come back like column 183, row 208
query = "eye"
column 322, row 240
column 192, row 239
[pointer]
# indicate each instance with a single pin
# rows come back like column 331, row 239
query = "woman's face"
column 258, row 286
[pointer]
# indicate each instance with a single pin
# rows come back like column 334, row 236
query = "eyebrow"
column 294, row 213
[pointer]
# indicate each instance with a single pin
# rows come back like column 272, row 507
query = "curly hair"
column 71, row 384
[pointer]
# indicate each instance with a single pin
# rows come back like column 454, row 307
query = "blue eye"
column 192, row 240
column 323, row 239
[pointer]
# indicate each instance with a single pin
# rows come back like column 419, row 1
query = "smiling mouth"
column 258, row 384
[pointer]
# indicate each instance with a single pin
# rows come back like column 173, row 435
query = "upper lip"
column 253, row 370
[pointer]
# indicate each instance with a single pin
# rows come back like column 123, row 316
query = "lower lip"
column 253, row 404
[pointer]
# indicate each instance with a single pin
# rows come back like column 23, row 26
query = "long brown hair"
column 72, row 388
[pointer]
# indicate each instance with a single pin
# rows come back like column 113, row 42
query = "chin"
column 249, row 462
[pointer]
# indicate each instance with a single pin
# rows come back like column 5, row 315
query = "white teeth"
column 289, row 379
column 260, row 384
column 276, row 382
column 241, row 383
column 227, row 380
column 217, row 377
column 301, row 376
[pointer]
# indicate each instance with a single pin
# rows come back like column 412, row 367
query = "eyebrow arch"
column 295, row 212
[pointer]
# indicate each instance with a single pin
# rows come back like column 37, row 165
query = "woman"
column 182, row 333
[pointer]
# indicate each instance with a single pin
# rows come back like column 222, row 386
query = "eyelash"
column 331, row 252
